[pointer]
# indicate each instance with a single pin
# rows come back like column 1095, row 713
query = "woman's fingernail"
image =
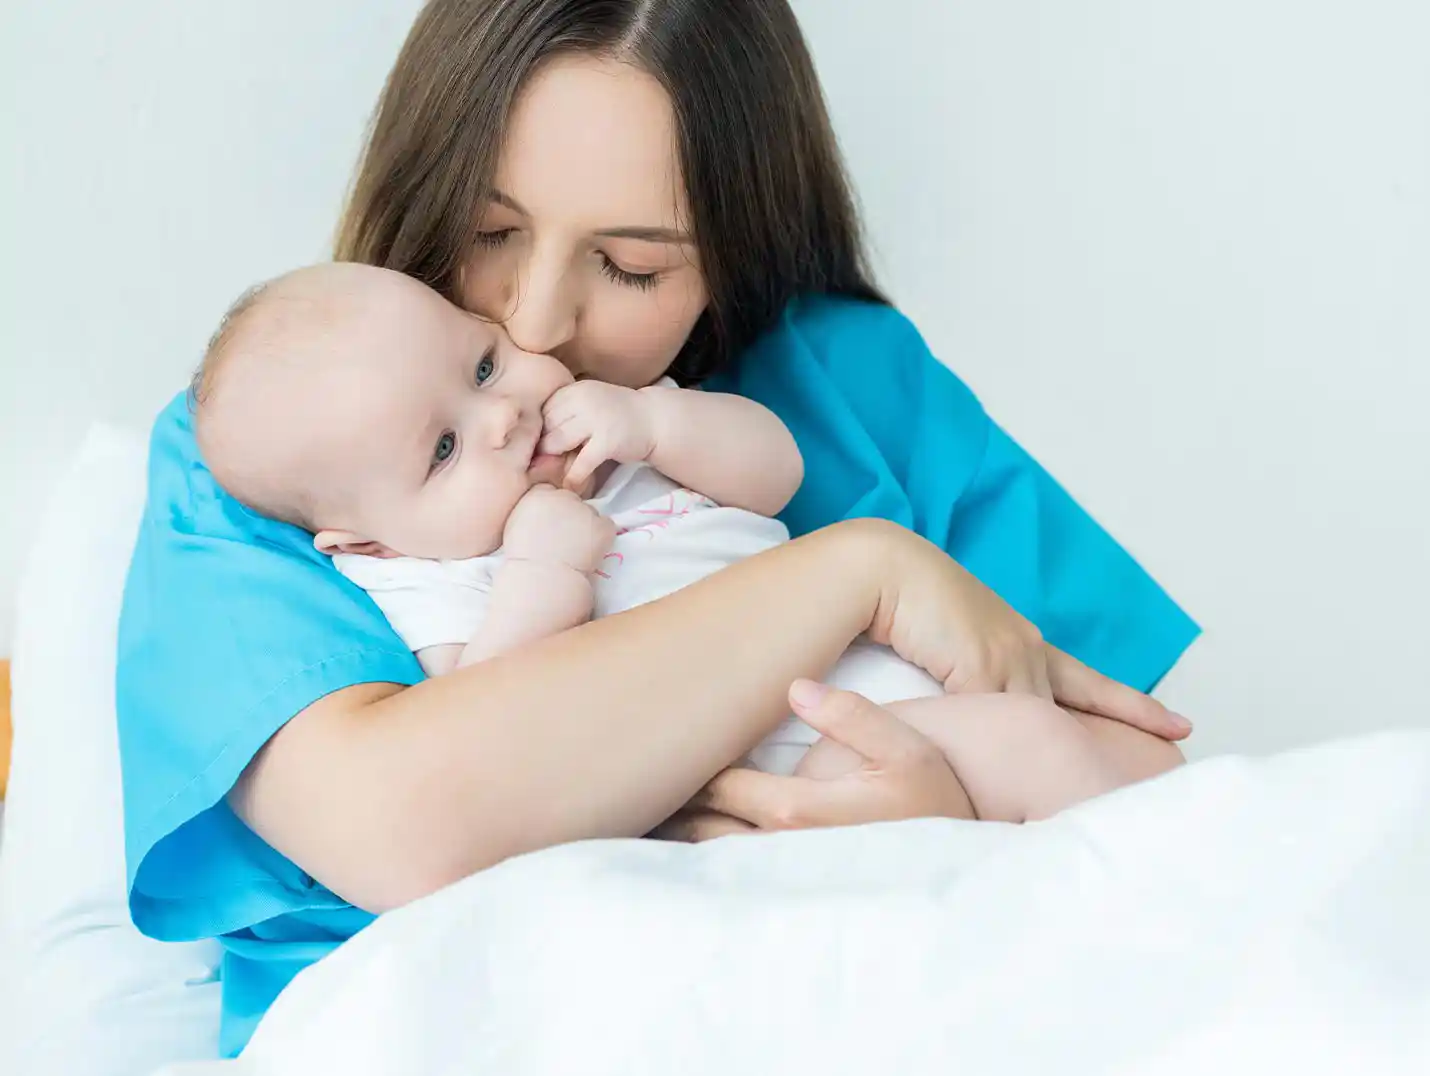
column 805, row 694
column 1180, row 721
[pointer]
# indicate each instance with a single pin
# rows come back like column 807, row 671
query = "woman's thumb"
column 806, row 695
column 851, row 719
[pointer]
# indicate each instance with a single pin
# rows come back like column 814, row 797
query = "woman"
column 635, row 187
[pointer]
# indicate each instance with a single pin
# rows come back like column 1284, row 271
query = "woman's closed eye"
column 498, row 237
column 495, row 238
column 639, row 281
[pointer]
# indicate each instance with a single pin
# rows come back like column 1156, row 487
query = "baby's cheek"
column 486, row 506
column 446, row 527
column 476, row 530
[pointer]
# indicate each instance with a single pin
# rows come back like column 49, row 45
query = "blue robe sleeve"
column 888, row 431
column 231, row 624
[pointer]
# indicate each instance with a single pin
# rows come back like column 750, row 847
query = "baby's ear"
column 331, row 542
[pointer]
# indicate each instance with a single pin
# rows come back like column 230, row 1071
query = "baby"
column 485, row 499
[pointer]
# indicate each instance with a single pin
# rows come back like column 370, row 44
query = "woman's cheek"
column 483, row 287
column 633, row 341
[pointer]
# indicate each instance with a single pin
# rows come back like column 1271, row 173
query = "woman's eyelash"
column 639, row 281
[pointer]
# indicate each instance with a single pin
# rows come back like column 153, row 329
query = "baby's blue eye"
column 486, row 366
column 446, row 445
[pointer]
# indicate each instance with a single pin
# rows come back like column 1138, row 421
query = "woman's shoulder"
column 815, row 312
column 202, row 559
column 181, row 489
column 184, row 497
column 866, row 352
column 240, row 620
column 833, row 326
column 231, row 624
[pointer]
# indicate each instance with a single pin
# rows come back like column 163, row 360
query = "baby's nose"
column 503, row 417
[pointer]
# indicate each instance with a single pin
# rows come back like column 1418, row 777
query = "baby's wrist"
column 656, row 402
column 554, row 564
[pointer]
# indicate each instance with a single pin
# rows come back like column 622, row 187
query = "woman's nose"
column 540, row 315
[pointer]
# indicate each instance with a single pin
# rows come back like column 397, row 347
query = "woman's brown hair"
column 773, row 214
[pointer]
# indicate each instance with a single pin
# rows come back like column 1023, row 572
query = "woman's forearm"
column 385, row 794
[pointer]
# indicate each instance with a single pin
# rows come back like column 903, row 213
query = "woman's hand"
column 941, row 618
column 903, row 775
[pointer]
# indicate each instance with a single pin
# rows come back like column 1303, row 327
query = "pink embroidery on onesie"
column 678, row 504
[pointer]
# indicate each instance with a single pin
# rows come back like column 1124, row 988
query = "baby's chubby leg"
column 1019, row 758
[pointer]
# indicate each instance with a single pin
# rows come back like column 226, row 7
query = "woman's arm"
column 384, row 794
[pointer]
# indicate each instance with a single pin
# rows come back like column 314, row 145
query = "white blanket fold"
column 1236, row 912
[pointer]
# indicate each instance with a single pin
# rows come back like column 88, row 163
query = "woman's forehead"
column 591, row 145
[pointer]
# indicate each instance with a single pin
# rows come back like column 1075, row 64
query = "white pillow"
column 90, row 994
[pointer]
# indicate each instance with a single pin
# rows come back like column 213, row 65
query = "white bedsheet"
column 1274, row 915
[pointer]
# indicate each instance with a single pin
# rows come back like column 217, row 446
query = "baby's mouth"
column 547, row 469
column 534, row 452
column 545, row 466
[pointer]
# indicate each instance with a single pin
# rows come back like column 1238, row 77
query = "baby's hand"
column 608, row 422
column 556, row 526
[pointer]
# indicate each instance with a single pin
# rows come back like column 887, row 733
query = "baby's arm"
column 530, row 600
column 1020, row 758
column 733, row 450
column 553, row 542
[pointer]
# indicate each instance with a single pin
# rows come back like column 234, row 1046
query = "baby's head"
column 360, row 405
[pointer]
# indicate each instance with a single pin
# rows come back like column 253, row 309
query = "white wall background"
column 159, row 157
column 1181, row 249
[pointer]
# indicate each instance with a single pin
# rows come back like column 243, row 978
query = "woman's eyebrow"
column 507, row 200
column 635, row 231
column 650, row 235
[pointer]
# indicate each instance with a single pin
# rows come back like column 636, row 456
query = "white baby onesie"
column 667, row 537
